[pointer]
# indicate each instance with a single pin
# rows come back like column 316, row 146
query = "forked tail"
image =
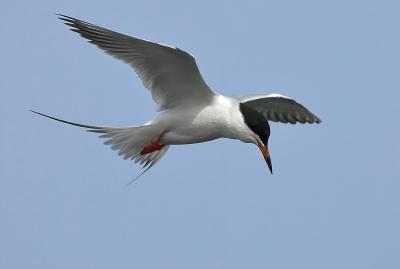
column 130, row 142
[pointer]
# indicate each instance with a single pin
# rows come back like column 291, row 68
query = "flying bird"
column 190, row 112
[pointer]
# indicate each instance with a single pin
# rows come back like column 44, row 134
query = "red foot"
column 154, row 145
column 151, row 147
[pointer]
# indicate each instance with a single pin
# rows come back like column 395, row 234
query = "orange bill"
column 265, row 153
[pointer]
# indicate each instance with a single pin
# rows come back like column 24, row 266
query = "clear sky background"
column 333, row 201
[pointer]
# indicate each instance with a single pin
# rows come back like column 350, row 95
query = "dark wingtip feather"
column 69, row 21
column 316, row 119
column 64, row 17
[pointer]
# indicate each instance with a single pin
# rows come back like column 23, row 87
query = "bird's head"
column 258, row 124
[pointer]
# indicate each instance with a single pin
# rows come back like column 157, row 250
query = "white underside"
column 196, row 123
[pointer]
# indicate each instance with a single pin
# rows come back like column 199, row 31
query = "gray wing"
column 279, row 108
column 169, row 73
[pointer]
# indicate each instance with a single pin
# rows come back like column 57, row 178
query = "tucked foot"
column 153, row 146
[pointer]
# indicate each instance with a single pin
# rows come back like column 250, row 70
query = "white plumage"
column 190, row 112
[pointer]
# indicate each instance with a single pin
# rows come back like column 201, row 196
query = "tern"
column 190, row 112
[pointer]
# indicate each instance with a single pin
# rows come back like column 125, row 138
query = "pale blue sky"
column 333, row 201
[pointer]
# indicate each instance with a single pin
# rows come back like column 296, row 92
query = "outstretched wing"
column 279, row 108
column 169, row 73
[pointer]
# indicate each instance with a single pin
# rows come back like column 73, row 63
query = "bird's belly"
column 190, row 136
column 196, row 129
column 194, row 125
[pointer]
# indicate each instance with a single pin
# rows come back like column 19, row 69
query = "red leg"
column 154, row 145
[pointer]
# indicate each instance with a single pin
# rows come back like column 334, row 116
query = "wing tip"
column 65, row 17
column 316, row 120
column 69, row 21
column 72, row 22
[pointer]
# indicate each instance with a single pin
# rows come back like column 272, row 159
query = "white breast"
column 196, row 124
